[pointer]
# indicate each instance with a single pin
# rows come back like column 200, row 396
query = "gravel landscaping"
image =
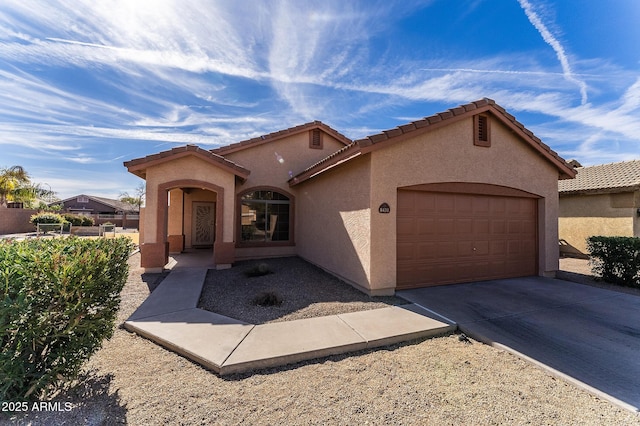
column 305, row 291
column 436, row 381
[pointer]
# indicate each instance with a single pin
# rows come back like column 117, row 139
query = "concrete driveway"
column 589, row 335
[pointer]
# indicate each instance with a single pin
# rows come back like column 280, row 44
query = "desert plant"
column 615, row 259
column 58, row 302
column 268, row 298
column 258, row 270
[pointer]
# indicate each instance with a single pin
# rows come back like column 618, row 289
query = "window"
column 264, row 216
column 82, row 199
column 315, row 139
column 482, row 130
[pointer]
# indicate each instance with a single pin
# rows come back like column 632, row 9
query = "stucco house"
column 601, row 200
column 466, row 194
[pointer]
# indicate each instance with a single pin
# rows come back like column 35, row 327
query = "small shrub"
column 87, row 221
column 74, row 219
column 616, row 259
column 78, row 219
column 47, row 218
column 58, row 302
column 258, row 270
column 268, row 298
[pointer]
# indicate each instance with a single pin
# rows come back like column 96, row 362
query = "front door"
column 204, row 224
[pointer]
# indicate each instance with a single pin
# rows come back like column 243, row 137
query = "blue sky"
column 86, row 85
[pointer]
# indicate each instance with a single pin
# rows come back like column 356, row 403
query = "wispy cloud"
column 555, row 44
column 137, row 74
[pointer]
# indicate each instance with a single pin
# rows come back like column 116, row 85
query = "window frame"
column 254, row 243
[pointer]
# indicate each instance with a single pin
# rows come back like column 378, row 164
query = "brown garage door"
column 447, row 238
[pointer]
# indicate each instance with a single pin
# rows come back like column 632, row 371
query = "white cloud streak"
column 555, row 44
column 214, row 73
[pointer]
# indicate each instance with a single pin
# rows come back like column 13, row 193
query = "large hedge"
column 58, row 302
column 616, row 259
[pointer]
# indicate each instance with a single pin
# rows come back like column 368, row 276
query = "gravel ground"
column 579, row 271
column 305, row 290
column 435, row 381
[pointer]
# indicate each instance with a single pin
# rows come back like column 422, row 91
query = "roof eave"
column 271, row 137
column 139, row 166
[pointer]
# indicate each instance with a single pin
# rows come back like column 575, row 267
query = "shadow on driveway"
column 589, row 334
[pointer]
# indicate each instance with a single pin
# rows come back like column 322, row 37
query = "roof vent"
column 481, row 130
column 315, row 139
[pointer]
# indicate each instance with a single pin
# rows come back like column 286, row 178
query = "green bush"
column 58, row 302
column 616, row 259
column 87, row 221
column 73, row 219
column 78, row 219
column 47, row 218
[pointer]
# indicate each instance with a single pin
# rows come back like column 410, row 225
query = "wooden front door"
column 204, row 224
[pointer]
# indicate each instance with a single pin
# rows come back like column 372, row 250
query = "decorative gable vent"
column 481, row 130
column 315, row 139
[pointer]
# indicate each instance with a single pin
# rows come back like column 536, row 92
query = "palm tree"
column 13, row 181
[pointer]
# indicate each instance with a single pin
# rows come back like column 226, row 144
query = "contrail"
column 555, row 45
column 472, row 70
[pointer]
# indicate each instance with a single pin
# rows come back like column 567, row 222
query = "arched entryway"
column 190, row 216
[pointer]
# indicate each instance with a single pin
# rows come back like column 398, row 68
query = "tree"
column 16, row 185
column 13, row 181
column 137, row 199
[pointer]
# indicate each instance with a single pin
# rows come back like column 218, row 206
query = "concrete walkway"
column 170, row 317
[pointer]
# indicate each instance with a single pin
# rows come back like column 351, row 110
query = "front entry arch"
column 156, row 255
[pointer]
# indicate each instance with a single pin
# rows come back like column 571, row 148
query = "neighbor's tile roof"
column 397, row 134
column 249, row 143
column 611, row 177
column 116, row 204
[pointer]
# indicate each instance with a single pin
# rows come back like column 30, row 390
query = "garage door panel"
column 427, row 251
column 498, row 248
column 464, row 226
column 425, row 226
column 445, row 226
column 481, row 226
column 446, row 238
column 405, row 251
column 405, row 226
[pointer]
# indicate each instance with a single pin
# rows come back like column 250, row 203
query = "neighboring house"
column 467, row 194
column 101, row 209
column 601, row 200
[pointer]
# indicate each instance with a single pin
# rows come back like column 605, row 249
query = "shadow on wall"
column 567, row 250
column 335, row 239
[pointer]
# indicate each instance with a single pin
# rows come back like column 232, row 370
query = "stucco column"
column 154, row 249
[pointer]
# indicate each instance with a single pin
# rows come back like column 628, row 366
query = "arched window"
column 264, row 216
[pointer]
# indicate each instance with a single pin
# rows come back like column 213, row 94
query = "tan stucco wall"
column 586, row 215
column 191, row 168
column 332, row 222
column 267, row 170
column 448, row 155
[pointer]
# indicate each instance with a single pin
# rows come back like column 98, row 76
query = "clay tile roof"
column 138, row 166
column 281, row 134
column 612, row 177
column 443, row 118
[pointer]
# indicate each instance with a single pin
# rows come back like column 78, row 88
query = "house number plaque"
column 384, row 208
